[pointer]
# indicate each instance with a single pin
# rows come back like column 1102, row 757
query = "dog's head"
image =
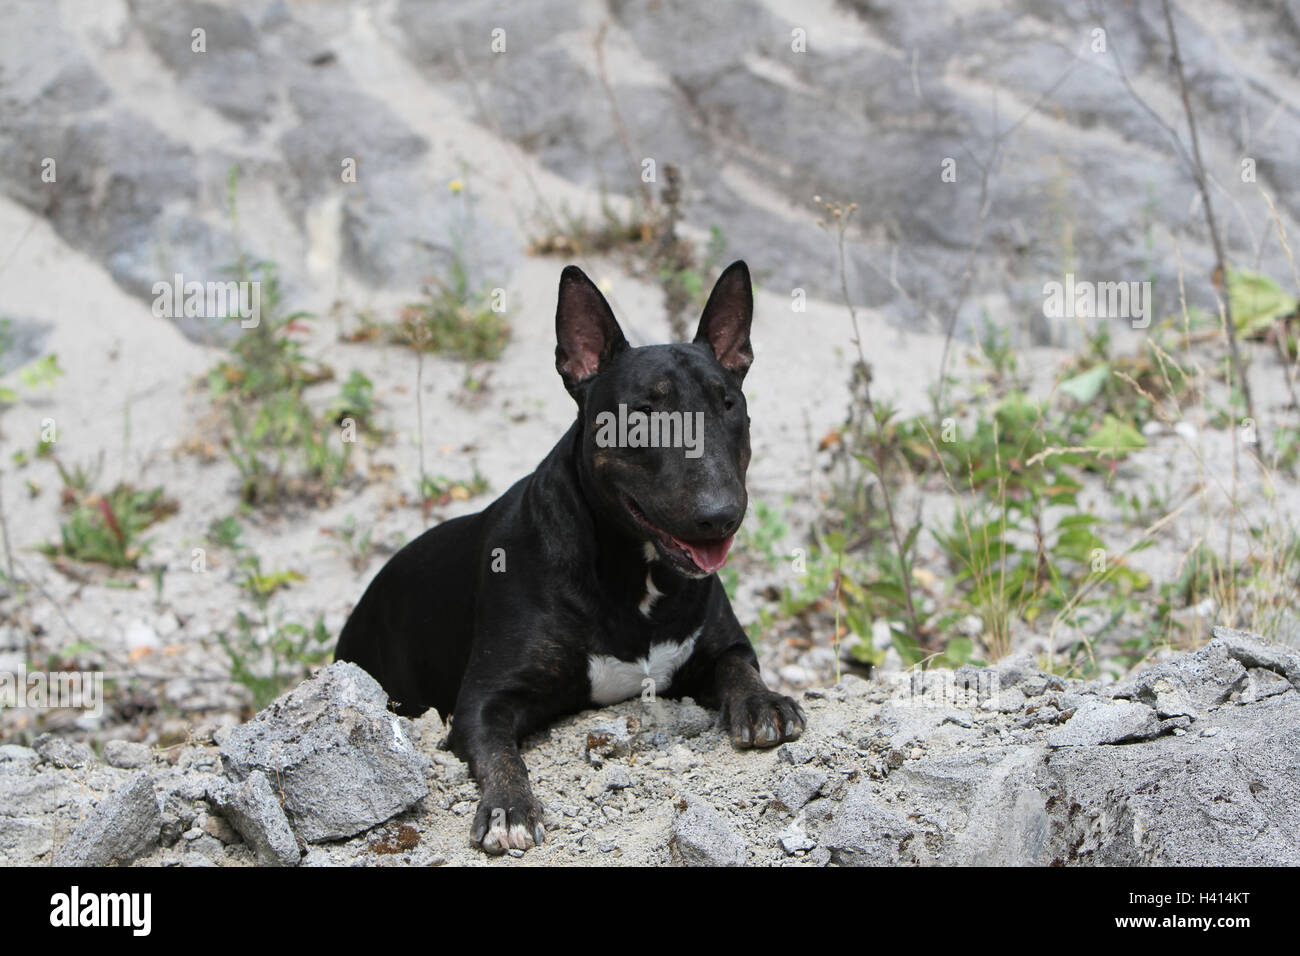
column 665, row 428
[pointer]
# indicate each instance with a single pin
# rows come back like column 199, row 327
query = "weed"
column 355, row 542
column 279, row 444
column 265, row 653
column 106, row 528
column 461, row 321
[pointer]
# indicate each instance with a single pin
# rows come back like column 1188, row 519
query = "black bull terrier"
column 593, row 579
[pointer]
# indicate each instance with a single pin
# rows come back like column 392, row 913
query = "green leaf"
column 1115, row 438
column 1256, row 301
column 907, row 648
column 958, row 651
column 1085, row 386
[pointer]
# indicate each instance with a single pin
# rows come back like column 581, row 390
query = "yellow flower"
column 456, row 185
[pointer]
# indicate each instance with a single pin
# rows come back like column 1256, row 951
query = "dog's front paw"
column 764, row 719
column 507, row 822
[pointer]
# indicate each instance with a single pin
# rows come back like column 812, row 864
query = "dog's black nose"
column 719, row 518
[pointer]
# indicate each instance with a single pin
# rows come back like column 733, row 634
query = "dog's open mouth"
column 703, row 556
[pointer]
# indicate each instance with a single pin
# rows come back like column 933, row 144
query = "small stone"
column 794, row 675
column 127, row 755
column 1261, row 683
column 793, row 841
column 60, row 752
column 1034, row 686
column 1009, row 701
column 616, row 777
column 1253, row 651
column 218, row 828
column 795, row 753
column 692, row 719
column 607, row 740
column 853, row 686
column 704, row 838
column 799, row 786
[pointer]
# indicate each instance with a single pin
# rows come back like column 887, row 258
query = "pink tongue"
column 708, row 555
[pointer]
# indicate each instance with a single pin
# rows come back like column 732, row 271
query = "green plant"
column 997, row 354
column 355, row 541
column 568, row 234
column 265, row 653
column 42, row 373
column 440, row 490
column 460, row 320
column 281, row 448
column 277, row 441
column 268, row 656
column 356, row 401
column 106, row 528
column 226, row 532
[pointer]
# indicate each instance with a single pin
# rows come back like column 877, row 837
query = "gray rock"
column 692, row 719
column 792, row 841
column 799, row 786
column 1185, row 801
column 127, row 755
column 123, row 827
column 1034, row 686
column 1250, row 650
column 606, row 739
column 796, row 753
column 1261, row 683
column 342, row 761
column 1008, row 701
column 865, row 833
column 616, row 777
column 28, row 804
column 1014, row 670
column 61, row 752
column 1099, row 722
column 14, row 758
column 704, row 838
column 1189, row 684
column 178, row 816
column 253, row 810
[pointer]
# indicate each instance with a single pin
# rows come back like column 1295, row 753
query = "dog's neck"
column 624, row 565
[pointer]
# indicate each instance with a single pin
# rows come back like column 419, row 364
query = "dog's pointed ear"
column 586, row 334
column 724, row 326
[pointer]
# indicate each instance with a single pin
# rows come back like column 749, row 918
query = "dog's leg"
column 509, row 816
column 753, row 715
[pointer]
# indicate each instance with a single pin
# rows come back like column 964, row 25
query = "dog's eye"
column 728, row 403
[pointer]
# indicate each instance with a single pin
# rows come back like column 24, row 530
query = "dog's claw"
column 503, row 824
column 765, row 720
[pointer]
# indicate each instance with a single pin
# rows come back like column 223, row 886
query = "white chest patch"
column 613, row 680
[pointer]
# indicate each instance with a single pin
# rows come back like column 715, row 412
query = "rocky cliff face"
column 1192, row 762
column 761, row 104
